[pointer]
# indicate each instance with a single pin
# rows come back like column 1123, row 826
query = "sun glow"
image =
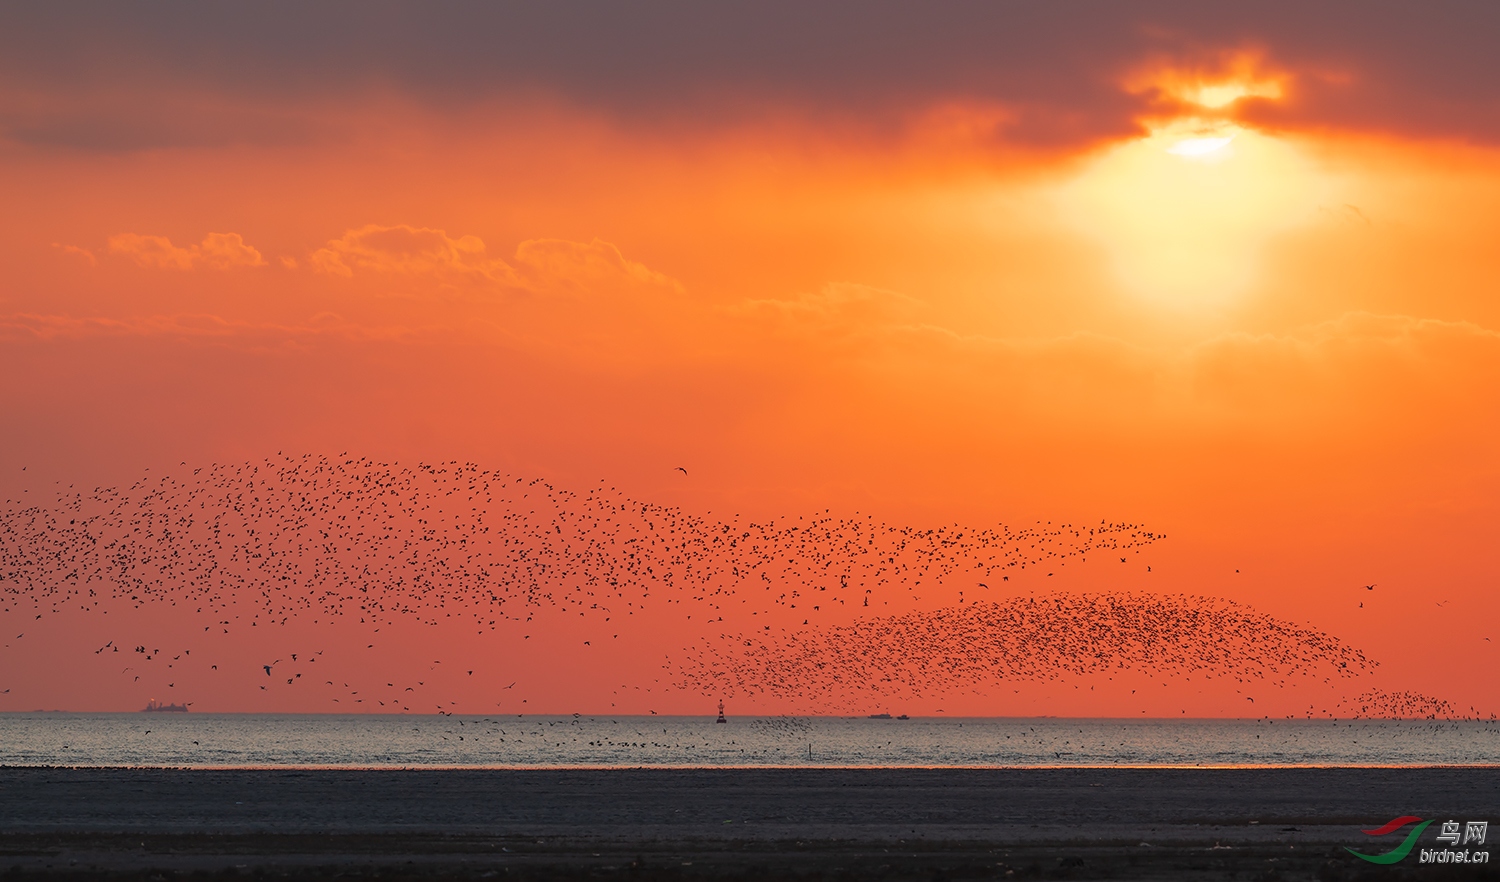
column 1199, row 146
column 1231, row 78
column 1217, row 95
column 1184, row 214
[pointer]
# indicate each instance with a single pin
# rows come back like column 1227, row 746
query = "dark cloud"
column 1419, row 69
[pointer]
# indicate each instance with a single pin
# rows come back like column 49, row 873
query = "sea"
column 324, row 741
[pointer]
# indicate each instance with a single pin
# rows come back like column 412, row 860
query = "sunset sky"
column 1230, row 274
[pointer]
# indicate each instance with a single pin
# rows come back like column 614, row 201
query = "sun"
column 1200, row 146
column 1185, row 212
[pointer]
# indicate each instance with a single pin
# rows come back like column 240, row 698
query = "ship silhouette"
column 155, row 707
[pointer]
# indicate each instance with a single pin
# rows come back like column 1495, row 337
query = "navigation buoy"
column 721, row 713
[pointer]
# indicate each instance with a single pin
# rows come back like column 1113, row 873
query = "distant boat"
column 155, row 707
column 903, row 717
column 880, row 716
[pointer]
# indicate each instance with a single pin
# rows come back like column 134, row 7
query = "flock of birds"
column 319, row 537
column 789, row 608
column 935, row 652
column 1402, row 704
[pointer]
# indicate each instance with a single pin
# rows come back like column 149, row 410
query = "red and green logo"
column 1399, row 851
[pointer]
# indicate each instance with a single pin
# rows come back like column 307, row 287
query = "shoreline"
column 663, row 767
column 717, row 823
column 747, row 718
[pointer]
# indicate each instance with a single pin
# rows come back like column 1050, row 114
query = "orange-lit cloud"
column 1210, row 88
column 218, row 251
column 419, row 253
column 411, row 251
column 77, row 253
column 197, row 326
column 557, row 262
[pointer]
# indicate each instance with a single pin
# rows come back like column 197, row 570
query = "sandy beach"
column 1073, row 823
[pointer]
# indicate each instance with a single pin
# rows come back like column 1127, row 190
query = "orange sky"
column 1005, row 289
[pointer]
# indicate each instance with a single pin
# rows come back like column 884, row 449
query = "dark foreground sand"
column 728, row 824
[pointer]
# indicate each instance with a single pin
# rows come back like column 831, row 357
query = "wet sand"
column 762, row 824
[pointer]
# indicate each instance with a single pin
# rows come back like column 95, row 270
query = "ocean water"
column 368, row 742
